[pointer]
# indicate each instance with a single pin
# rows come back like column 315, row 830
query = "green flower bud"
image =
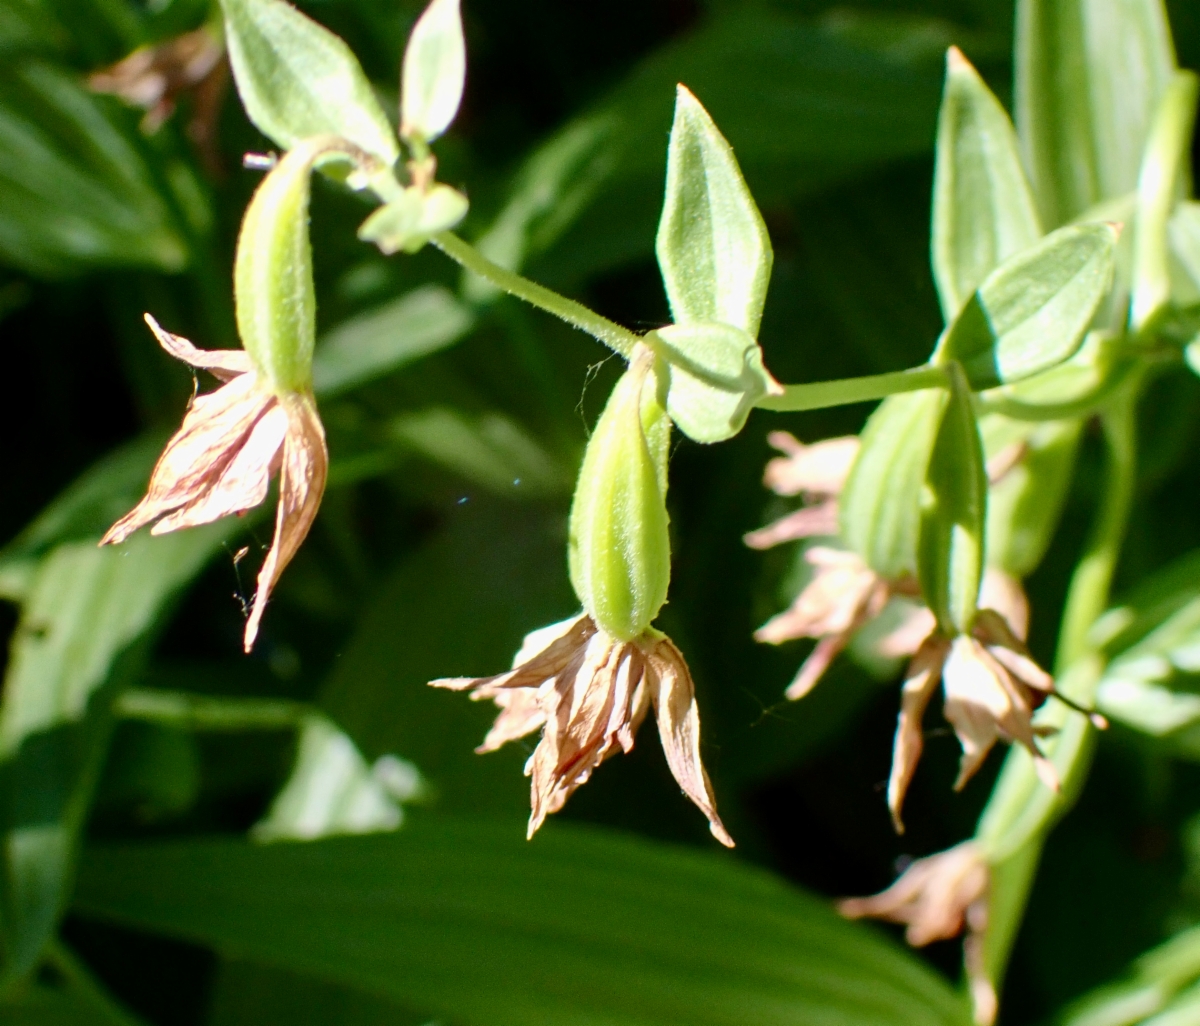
column 619, row 546
column 272, row 277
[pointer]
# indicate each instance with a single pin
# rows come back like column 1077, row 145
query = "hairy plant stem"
column 575, row 314
column 1021, row 811
column 821, row 394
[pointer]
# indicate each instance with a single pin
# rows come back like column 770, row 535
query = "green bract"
column 619, row 547
column 712, row 375
column 1032, row 312
column 953, row 512
column 983, row 211
column 435, row 69
column 409, row 221
column 712, row 245
column 298, row 80
column 272, row 275
column 880, row 508
column 1088, row 79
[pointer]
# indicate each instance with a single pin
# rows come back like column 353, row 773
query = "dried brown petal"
column 1003, row 593
column 302, row 474
column 920, row 682
column 932, row 897
column 817, row 469
column 808, row 522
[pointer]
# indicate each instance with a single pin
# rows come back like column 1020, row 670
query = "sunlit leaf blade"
column 712, row 244
column 388, row 337
column 435, row 70
column 1088, row 79
column 1165, row 168
column 953, row 513
column 80, row 636
column 297, row 79
column 983, row 211
column 75, row 191
column 880, row 508
column 469, row 922
column 1033, row 311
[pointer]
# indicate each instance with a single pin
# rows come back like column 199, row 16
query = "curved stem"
column 575, row 314
column 844, row 391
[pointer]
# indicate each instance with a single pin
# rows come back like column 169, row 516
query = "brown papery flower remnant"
column 223, row 457
column 935, row 897
column 588, row 693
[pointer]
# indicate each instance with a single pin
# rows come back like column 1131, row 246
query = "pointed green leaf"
column 714, row 375
column 1033, row 311
column 880, row 507
column 435, row 70
column 407, row 222
column 983, row 211
column 712, row 245
column 953, row 513
column 1089, row 76
column 471, row 924
column 298, row 80
column 1164, row 169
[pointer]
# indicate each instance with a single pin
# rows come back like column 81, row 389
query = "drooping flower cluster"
column 221, row 461
column 589, row 693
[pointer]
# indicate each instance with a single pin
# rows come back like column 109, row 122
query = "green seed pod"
column 272, row 277
column 619, row 545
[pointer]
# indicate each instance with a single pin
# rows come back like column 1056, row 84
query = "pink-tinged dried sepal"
column 589, row 694
column 935, row 898
column 222, row 458
column 843, row 595
column 818, row 472
column 674, row 697
column 303, row 471
column 984, row 703
column 920, row 682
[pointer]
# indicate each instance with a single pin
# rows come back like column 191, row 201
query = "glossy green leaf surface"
column 880, row 508
column 469, row 922
column 298, row 80
column 713, row 248
column 1089, row 76
column 1033, row 311
column 953, row 513
column 714, row 375
column 75, row 189
column 983, row 210
column 434, row 72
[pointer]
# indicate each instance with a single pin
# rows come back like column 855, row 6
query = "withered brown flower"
column 223, row 457
column 589, row 694
column 935, row 897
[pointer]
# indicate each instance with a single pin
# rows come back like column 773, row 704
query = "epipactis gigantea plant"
column 947, row 499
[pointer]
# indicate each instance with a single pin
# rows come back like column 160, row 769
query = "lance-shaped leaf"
column 1164, row 168
column 1033, row 311
column 713, row 375
column 1089, row 77
column 712, row 244
column 880, row 507
column 298, row 80
column 953, row 513
column 469, row 924
column 983, row 211
column 435, row 70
